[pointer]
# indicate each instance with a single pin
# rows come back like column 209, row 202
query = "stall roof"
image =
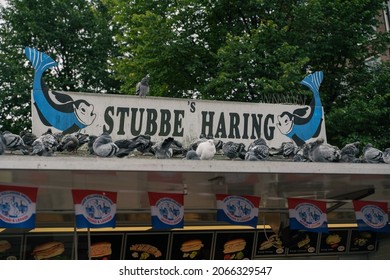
column 132, row 178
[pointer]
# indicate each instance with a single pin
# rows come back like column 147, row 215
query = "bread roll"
column 191, row 245
column 48, row 250
column 234, row 245
column 100, row 249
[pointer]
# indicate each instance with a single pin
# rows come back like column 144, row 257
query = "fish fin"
column 298, row 120
column 61, row 97
column 41, row 116
column 301, row 111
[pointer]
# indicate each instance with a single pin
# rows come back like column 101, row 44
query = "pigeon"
column 318, row 151
column 145, row 144
column 28, row 137
column 124, row 151
column 178, row 149
column 163, row 149
column 372, row 155
column 289, row 149
column 14, row 142
column 69, row 143
column 123, row 143
column 57, row 135
column 82, row 138
column 38, row 148
column 286, row 149
column 44, row 145
column 206, row 150
column 126, row 146
column 103, row 146
column 142, row 88
column 259, row 141
column 234, row 150
column 257, row 152
column 51, row 140
column 350, row 152
column 386, row 156
column 192, row 155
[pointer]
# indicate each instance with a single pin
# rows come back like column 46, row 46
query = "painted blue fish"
column 302, row 125
column 57, row 109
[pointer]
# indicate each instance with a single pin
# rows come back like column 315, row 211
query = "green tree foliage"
column 364, row 115
column 210, row 49
column 75, row 33
column 253, row 50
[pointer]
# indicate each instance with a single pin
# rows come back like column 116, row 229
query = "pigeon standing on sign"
column 350, row 152
column 372, row 155
column 103, row 146
column 69, row 143
column 142, row 88
column 163, row 149
column 319, row 151
column 257, row 150
column 45, row 145
column 14, row 142
column 206, row 150
column 234, row 150
column 28, row 138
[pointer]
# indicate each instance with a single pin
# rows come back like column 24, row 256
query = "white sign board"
column 124, row 116
column 185, row 120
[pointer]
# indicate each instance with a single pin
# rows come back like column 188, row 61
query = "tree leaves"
column 75, row 33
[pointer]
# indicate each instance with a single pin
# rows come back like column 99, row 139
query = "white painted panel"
column 184, row 119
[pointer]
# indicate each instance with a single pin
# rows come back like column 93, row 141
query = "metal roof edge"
column 16, row 162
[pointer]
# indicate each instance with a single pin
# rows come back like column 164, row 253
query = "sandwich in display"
column 144, row 251
column 302, row 242
column 234, row 248
column 48, row 250
column 101, row 250
column 191, row 248
column 4, row 246
column 273, row 241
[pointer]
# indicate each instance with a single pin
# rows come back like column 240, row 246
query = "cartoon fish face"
column 84, row 112
column 285, row 122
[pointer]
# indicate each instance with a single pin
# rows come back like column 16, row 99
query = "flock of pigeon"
column 203, row 148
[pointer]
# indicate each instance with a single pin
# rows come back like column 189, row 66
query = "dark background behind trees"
column 250, row 51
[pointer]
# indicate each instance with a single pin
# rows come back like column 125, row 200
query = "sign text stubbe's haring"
column 128, row 116
column 125, row 116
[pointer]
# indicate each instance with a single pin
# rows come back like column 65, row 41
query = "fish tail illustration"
column 39, row 60
column 313, row 81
